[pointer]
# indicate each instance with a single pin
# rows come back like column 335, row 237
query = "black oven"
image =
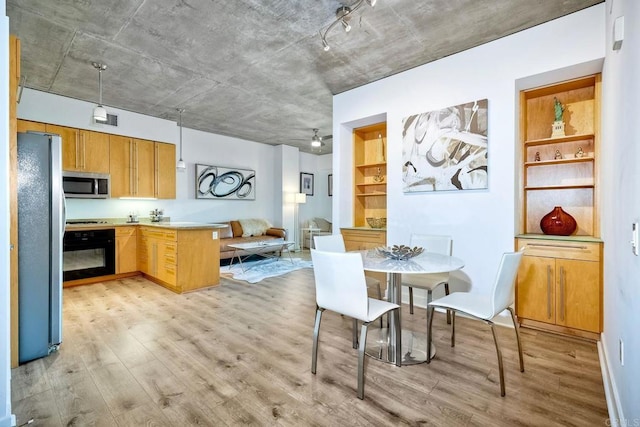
column 89, row 253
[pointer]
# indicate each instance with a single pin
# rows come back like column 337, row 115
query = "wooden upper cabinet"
column 83, row 150
column 165, row 170
column 144, row 153
column 95, row 151
column 71, row 150
column 121, row 164
column 132, row 167
column 28, row 126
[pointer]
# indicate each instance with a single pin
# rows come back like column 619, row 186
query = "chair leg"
column 354, row 333
column 430, row 311
column 410, row 300
column 453, row 328
column 515, row 326
column 499, row 353
column 398, row 348
column 429, row 321
column 446, row 292
column 316, row 332
column 363, row 344
column 380, row 298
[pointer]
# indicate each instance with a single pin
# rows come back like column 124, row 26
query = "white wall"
column 482, row 223
column 318, row 205
column 621, row 185
column 5, row 357
column 276, row 170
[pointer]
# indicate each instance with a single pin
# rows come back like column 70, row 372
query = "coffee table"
column 268, row 249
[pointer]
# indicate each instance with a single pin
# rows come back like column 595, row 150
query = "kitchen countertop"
column 179, row 225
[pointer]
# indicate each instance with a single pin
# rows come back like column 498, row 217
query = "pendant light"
column 180, row 166
column 99, row 112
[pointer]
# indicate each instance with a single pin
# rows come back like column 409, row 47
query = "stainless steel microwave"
column 82, row 185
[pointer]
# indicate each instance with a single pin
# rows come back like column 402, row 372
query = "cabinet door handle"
column 562, row 294
column 136, row 177
column 156, row 190
column 77, row 148
column 130, row 167
column 542, row 245
column 84, row 151
column 549, row 291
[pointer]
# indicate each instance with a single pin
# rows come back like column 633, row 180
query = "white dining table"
column 425, row 263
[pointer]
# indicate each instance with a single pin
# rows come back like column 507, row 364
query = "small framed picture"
column 306, row 183
column 330, row 185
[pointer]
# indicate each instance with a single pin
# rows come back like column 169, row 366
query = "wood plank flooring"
column 137, row 354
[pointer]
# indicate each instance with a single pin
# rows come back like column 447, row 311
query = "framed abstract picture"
column 306, row 183
column 446, row 149
column 217, row 182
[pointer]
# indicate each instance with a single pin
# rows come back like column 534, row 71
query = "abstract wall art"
column 446, row 149
column 216, row 182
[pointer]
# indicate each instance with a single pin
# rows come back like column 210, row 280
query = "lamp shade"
column 100, row 113
column 300, row 198
column 181, row 166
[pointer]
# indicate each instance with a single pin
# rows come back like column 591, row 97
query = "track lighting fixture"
column 343, row 15
column 99, row 112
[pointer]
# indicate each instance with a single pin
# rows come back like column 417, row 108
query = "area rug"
column 256, row 271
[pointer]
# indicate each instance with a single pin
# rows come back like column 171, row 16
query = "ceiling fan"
column 318, row 141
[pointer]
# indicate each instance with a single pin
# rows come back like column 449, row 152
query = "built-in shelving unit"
column 370, row 173
column 559, row 286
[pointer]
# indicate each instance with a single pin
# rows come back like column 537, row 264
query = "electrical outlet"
column 621, row 347
column 214, row 235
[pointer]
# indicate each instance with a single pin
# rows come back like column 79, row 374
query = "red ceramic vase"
column 558, row 223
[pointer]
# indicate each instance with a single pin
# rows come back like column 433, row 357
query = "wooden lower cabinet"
column 126, row 250
column 179, row 259
column 559, row 286
column 357, row 239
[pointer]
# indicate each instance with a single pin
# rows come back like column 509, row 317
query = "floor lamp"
column 298, row 199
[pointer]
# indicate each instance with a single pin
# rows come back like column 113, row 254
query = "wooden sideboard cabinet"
column 559, row 285
column 357, row 239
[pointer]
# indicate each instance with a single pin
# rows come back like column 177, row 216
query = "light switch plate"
column 214, row 235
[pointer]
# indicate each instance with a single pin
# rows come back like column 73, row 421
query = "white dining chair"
column 484, row 308
column 341, row 288
column 435, row 244
column 335, row 243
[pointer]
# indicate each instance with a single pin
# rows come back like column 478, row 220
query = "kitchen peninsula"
column 181, row 256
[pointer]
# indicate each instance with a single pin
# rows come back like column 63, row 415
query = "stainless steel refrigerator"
column 40, row 233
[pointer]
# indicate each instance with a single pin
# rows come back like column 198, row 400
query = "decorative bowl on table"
column 377, row 222
column 400, row 252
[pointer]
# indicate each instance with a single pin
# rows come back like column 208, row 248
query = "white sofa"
column 321, row 223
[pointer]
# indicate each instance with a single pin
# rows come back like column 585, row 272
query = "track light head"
column 343, row 15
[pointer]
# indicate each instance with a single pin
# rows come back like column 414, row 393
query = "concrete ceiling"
column 251, row 69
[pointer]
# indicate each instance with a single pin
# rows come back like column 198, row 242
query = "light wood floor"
column 136, row 354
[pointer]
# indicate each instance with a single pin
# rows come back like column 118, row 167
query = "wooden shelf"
column 371, row 165
column 559, row 162
column 372, row 184
column 371, row 194
column 559, row 187
column 559, row 140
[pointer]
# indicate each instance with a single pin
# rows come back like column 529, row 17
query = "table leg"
column 395, row 296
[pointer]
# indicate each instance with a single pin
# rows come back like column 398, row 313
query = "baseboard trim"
column 616, row 415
